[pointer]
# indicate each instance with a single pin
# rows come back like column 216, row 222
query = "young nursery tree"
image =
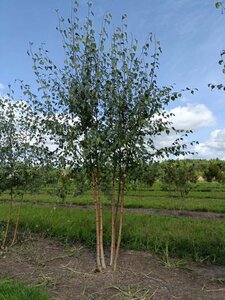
column 179, row 175
column 143, row 176
column 63, row 185
column 11, row 150
column 18, row 151
column 214, row 171
column 102, row 109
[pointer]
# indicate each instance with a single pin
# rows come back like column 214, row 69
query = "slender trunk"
column 114, row 221
column 113, row 229
column 102, row 256
column 98, row 259
column 118, row 201
column 17, row 222
column 9, row 217
column 120, row 226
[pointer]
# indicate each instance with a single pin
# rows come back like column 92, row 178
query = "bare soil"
column 175, row 212
column 152, row 211
column 68, row 272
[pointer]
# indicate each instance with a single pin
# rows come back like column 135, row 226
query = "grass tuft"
column 11, row 290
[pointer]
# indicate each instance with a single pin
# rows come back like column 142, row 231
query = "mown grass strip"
column 11, row 290
column 217, row 206
column 196, row 239
column 202, row 205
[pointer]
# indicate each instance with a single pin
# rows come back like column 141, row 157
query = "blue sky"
column 192, row 34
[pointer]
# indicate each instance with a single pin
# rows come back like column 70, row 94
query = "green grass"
column 139, row 201
column 196, row 239
column 11, row 290
column 200, row 186
column 206, row 197
column 217, row 206
column 192, row 194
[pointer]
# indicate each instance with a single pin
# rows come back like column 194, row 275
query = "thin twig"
column 215, row 290
column 78, row 272
column 153, row 294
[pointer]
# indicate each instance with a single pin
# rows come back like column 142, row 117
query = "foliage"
column 178, row 175
column 20, row 152
column 220, row 5
column 81, row 182
column 103, row 108
column 143, row 176
column 215, row 171
column 64, row 183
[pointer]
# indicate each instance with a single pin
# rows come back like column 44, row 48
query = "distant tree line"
column 172, row 175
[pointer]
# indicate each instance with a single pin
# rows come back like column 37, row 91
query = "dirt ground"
column 68, row 272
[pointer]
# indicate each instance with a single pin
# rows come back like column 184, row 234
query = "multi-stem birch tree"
column 136, row 113
column 102, row 109
column 70, row 105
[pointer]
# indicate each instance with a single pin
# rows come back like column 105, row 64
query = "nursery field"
column 205, row 197
column 162, row 257
column 104, row 191
column 153, row 220
column 159, row 245
column 197, row 239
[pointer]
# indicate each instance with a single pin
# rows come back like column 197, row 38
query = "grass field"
column 184, row 237
column 11, row 290
column 206, row 197
column 189, row 238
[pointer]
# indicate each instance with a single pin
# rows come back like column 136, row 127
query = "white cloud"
column 192, row 116
column 164, row 140
column 214, row 147
column 2, row 87
column 187, row 117
column 217, row 140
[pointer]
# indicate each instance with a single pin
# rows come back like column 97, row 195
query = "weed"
column 132, row 292
column 45, row 280
column 169, row 262
column 220, row 280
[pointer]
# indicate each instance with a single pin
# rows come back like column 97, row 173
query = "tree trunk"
column 120, row 226
column 102, row 256
column 17, row 222
column 113, row 229
column 98, row 258
column 114, row 223
column 9, row 218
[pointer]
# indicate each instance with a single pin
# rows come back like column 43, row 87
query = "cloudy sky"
column 192, row 35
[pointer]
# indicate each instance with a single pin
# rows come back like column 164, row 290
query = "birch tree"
column 102, row 109
column 18, row 152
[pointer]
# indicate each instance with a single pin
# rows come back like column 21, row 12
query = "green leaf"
column 218, row 4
